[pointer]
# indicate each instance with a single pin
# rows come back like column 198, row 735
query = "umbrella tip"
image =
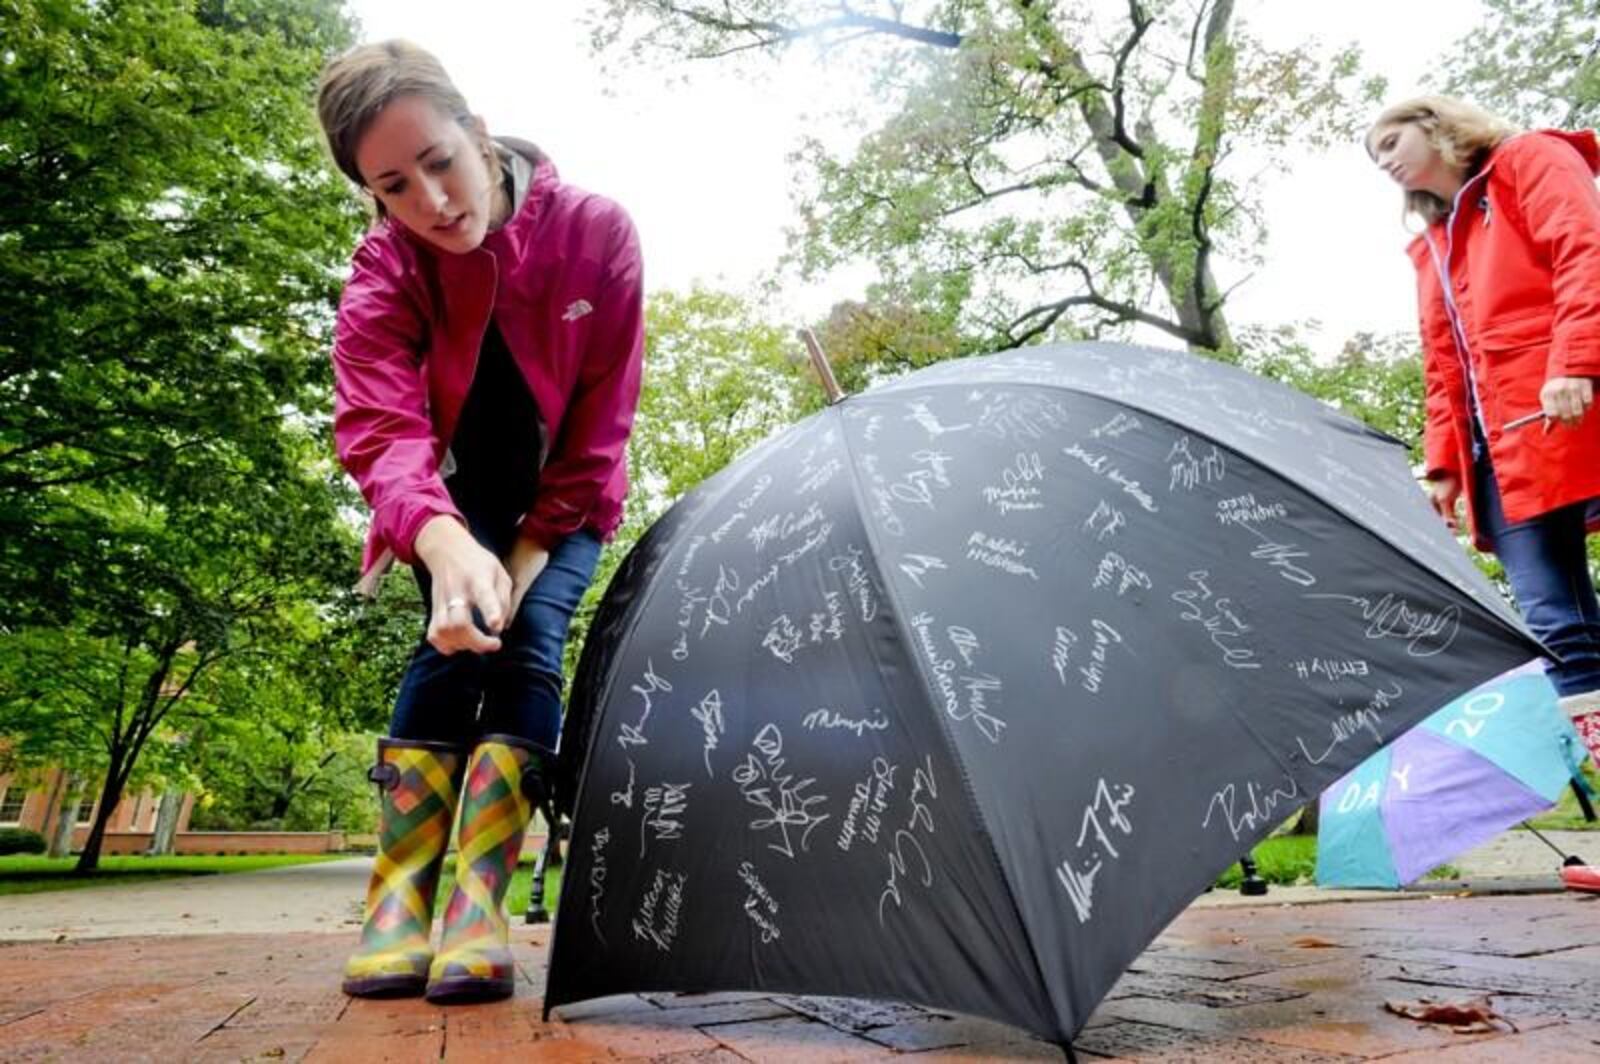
column 819, row 360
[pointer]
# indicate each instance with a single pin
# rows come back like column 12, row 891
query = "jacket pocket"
column 1512, row 377
column 1511, row 332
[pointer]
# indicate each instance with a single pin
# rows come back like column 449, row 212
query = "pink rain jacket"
column 563, row 280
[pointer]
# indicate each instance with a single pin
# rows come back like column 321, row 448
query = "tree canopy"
column 1045, row 169
column 169, row 251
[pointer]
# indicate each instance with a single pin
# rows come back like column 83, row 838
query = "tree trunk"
column 166, row 831
column 66, row 815
column 110, row 795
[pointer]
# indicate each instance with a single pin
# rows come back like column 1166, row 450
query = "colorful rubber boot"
column 505, row 781
column 417, row 787
column 1584, row 710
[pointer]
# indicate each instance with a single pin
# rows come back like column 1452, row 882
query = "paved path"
column 327, row 896
column 1264, row 983
column 247, row 965
column 323, row 896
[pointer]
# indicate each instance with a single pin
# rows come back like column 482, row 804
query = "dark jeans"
column 517, row 689
column 1548, row 566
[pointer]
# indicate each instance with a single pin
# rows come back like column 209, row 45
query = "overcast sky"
column 703, row 166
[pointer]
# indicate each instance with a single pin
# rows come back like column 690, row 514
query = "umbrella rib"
column 907, row 641
column 638, row 612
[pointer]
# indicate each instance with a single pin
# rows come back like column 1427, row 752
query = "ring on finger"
column 454, row 603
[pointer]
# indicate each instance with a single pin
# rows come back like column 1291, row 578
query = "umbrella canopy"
column 1486, row 761
column 959, row 691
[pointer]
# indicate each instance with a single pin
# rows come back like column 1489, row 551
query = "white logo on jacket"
column 577, row 309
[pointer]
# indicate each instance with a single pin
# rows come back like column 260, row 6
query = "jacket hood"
column 1583, row 142
column 1581, row 139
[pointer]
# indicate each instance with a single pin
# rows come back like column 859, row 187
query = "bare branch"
column 1141, row 25
column 1194, row 43
column 767, row 32
column 1047, row 314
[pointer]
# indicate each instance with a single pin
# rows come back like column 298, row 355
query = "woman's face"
column 1402, row 150
column 429, row 172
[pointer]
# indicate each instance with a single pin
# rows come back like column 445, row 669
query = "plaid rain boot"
column 417, row 787
column 505, row 782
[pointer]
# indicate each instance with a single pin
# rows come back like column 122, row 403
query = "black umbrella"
column 959, row 691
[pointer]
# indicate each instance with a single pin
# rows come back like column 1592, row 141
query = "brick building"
column 36, row 804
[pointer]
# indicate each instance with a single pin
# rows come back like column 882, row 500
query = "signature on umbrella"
column 1104, row 521
column 597, row 879
column 978, row 687
column 1222, row 624
column 790, row 808
column 756, row 901
column 1391, row 616
column 1367, row 718
column 661, row 910
column 905, row 840
column 1079, row 882
column 857, row 582
column 1258, row 811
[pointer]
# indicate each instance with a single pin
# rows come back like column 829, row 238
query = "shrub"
column 21, row 840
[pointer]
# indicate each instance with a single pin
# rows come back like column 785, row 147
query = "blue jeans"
column 516, row 690
column 1548, row 566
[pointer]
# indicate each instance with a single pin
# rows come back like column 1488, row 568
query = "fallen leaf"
column 1313, row 942
column 1466, row 1016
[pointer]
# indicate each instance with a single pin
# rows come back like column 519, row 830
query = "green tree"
column 169, row 250
column 1535, row 61
column 1048, row 169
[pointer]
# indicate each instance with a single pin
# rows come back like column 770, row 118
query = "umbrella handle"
column 830, row 384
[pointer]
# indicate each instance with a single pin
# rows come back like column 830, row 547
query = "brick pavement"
column 1272, row 982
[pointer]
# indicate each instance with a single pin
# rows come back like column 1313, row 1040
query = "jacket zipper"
column 1457, row 330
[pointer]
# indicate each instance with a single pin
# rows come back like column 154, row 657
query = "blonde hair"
column 357, row 85
column 1462, row 134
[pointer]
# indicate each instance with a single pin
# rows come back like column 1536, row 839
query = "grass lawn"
column 521, row 884
column 28, row 874
column 1567, row 816
column 1283, row 859
column 1288, row 860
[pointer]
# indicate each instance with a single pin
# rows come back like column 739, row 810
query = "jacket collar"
column 516, row 235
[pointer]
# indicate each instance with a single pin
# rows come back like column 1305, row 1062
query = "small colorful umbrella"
column 1495, row 756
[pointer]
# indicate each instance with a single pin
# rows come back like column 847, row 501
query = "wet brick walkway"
column 1268, row 983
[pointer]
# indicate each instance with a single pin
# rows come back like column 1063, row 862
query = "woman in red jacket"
column 487, row 361
column 1508, row 292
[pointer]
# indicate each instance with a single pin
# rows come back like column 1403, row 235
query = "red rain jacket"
column 1508, row 292
column 563, row 280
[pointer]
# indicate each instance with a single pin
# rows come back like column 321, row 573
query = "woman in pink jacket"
column 1508, row 289
column 487, row 360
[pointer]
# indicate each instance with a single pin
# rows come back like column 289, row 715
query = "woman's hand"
column 1444, row 491
column 525, row 562
column 465, row 578
column 1567, row 399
